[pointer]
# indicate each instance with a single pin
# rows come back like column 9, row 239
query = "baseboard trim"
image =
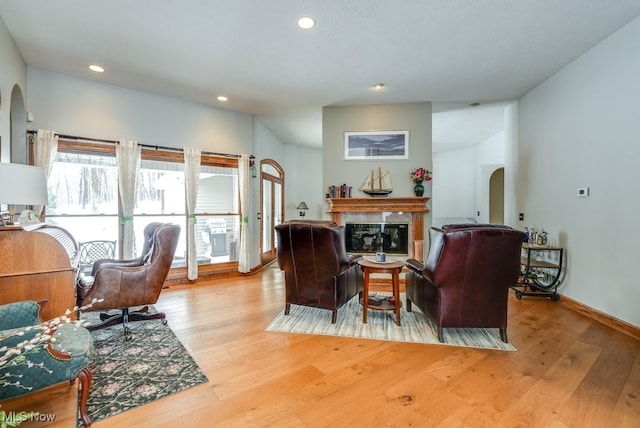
column 178, row 276
column 601, row 317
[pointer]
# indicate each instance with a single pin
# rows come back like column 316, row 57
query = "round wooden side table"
column 391, row 267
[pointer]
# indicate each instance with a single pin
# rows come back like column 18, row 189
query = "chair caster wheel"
column 164, row 321
column 519, row 295
column 555, row 297
column 127, row 334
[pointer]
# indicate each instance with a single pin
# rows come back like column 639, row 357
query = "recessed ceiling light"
column 222, row 98
column 378, row 86
column 96, row 68
column 306, row 22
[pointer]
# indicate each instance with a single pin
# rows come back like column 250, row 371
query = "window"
column 83, row 198
column 218, row 214
column 160, row 197
column 83, row 195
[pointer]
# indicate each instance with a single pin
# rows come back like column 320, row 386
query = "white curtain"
column 244, row 254
column 192, row 177
column 128, row 159
column 44, row 151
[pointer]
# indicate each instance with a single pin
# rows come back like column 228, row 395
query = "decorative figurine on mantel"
column 419, row 175
column 378, row 183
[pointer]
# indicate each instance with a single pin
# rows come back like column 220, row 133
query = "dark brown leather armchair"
column 317, row 270
column 465, row 280
column 123, row 284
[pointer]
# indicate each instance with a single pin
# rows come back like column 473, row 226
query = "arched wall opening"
column 18, row 127
column 496, row 197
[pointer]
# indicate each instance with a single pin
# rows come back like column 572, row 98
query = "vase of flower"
column 419, row 175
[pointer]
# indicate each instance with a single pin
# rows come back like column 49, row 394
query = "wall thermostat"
column 583, row 192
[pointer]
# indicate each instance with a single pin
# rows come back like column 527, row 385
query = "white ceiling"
column 451, row 52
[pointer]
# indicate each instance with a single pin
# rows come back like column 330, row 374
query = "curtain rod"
column 147, row 146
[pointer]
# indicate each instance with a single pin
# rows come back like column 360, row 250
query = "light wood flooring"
column 569, row 371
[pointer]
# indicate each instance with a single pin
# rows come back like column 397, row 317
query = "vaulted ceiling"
column 450, row 52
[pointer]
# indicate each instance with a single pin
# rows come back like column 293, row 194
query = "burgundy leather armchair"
column 317, row 270
column 465, row 280
column 123, row 284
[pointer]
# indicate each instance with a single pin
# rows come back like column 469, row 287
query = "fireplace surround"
column 409, row 210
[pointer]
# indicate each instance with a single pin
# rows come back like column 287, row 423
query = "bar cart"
column 541, row 271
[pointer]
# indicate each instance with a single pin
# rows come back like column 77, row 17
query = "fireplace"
column 406, row 211
column 368, row 238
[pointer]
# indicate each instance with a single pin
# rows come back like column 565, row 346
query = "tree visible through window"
column 83, row 198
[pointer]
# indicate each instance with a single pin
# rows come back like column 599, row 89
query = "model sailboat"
column 378, row 183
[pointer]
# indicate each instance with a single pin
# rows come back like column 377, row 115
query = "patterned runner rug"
column 128, row 374
column 416, row 327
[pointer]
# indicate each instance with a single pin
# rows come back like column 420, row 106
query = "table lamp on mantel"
column 302, row 207
column 21, row 185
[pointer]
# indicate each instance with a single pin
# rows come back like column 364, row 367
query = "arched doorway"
column 272, row 203
column 18, row 127
column 496, row 197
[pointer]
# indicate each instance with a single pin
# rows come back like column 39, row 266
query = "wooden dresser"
column 35, row 266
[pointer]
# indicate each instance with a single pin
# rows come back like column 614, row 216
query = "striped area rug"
column 416, row 327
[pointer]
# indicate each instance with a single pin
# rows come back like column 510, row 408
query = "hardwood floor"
column 569, row 371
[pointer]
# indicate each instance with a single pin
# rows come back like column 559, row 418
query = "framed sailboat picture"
column 376, row 145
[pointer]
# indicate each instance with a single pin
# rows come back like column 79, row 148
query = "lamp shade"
column 22, row 184
column 302, row 206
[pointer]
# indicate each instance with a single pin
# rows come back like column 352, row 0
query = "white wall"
column 510, row 163
column 13, row 71
column 303, row 182
column 461, row 181
column 267, row 145
column 453, row 185
column 581, row 128
column 87, row 108
column 489, row 156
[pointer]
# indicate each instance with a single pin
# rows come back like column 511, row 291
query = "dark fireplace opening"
column 370, row 238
